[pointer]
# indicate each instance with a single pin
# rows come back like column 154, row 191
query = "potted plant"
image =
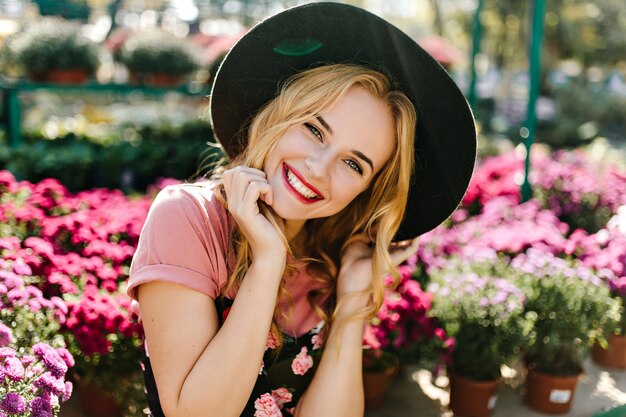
column 484, row 313
column 401, row 331
column 158, row 57
column 379, row 369
column 573, row 307
column 33, row 358
column 608, row 257
column 107, row 347
column 54, row 50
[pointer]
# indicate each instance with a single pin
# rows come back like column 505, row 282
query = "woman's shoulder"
column 201, row 195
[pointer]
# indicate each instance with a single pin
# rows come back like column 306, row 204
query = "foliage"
column 483, row 312
column 52, row 44
column 156, row 51
column 80, row 163
column 572, row 306
column 583, row 112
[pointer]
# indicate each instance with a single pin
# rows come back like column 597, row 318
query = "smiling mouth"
column 297, row 186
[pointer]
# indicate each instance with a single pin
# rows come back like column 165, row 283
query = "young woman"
column 254, row 288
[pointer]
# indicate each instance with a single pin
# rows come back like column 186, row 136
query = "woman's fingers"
column 237, row 181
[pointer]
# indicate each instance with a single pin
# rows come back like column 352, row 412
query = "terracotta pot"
column 375, row 386
column 615, row 354
column 95, row 402
column 471, row 398
column 156, row 79
column 62, row 76
column 550, row 393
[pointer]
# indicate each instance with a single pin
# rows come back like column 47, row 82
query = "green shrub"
column 81, row 164
column 51, row 43
column 157, row 51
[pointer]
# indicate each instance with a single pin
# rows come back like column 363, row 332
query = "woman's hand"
column 244, row 187
column 355, row 273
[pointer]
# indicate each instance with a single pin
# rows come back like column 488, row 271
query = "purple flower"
column 13, row 403
column 6, row 335
column 28, row 359
column 51, row 359
column 66, row 356
column 50, row 384
column 13, row 368
column 40, row 407
column 69, row 388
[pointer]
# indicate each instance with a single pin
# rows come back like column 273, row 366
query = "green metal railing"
column 12, row 112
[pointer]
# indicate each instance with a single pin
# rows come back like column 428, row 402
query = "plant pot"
column 550, row 393
column 615, row 354
column 472, row 398
column 156, row 79
column 95, row 402
column 376, row 384
column 62, row 76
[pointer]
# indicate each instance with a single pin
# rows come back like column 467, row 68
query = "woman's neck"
column 296, row 233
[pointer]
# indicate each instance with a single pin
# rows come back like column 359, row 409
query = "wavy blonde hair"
column 375, row 214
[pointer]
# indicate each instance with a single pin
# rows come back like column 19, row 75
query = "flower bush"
column 28, row 318
column 75, row 251
column 483, row 311
column 403, row 326
column 580, row 191
column 33, row 357
column 572, row 307
column 33, row 384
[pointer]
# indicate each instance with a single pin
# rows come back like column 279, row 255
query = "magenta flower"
column 6, row 335
column 50, row 384
column 13, row 403
column 13, row 368
column 51, row 359
column 40, row 407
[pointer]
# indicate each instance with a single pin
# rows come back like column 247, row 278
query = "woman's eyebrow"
column 323, row 123
column 363, row 157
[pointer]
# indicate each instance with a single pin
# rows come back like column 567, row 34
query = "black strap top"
column 282, row 379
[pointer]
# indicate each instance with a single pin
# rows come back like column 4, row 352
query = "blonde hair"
column 375, row 214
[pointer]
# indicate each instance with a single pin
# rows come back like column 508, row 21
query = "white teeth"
column 297, row 184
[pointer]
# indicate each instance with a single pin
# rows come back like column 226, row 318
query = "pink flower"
column 282, row 396
column 302, row 362
column 318, row 340
column 272, row 341
column 266, row 406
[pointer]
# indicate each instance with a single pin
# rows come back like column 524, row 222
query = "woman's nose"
column 318, row 165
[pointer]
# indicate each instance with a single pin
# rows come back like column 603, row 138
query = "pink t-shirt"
column 185, row 241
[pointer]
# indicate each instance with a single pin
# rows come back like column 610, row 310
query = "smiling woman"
column 269, row 271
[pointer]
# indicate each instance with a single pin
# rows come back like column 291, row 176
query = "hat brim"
column 318, row 34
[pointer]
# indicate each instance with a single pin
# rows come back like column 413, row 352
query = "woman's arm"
column 337, row 387
column 200, row 370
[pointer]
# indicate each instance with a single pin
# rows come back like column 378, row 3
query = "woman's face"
column 317, row 168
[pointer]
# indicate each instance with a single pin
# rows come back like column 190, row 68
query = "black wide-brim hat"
column 319, row 34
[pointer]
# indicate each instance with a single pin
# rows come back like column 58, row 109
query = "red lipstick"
column 295, row 192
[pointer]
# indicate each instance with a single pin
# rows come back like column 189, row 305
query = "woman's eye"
column 352, row 164
column 314, row 130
